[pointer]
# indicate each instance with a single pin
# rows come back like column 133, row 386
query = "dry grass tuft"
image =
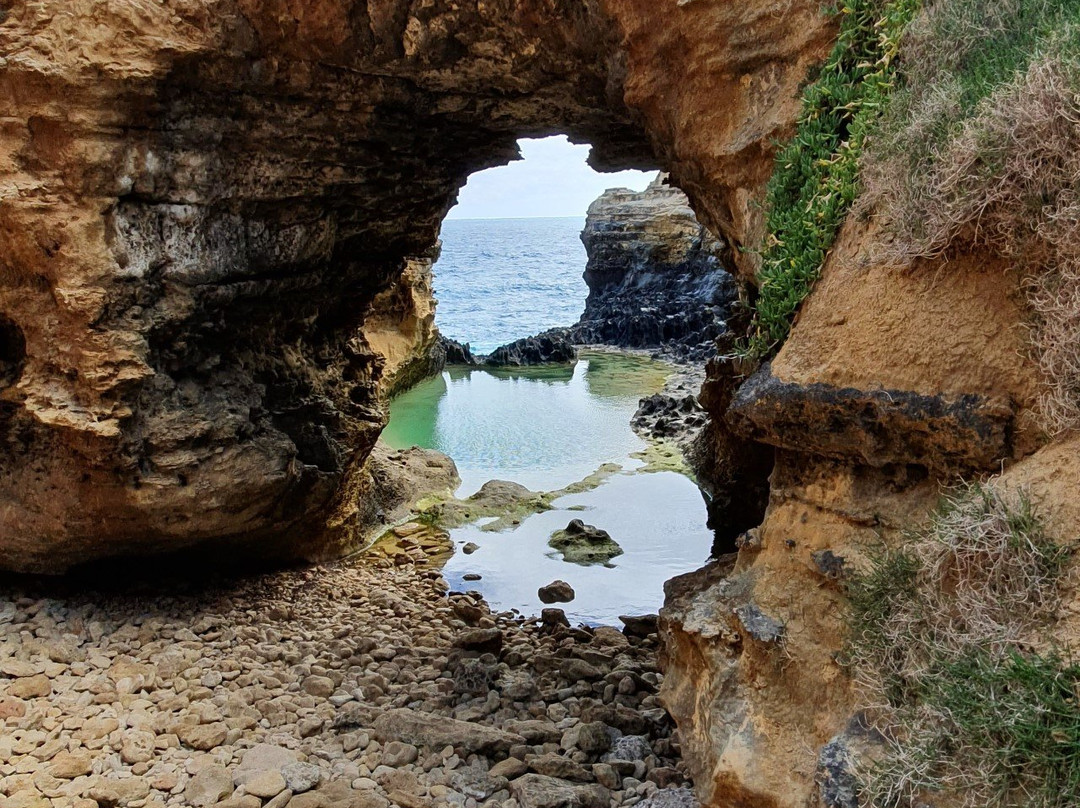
column 934, row 644
column 982, row 149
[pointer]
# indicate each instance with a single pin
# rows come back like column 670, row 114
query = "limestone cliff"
column 201, row 200
column 895, row 382
column 656, row 276
column 401, row 329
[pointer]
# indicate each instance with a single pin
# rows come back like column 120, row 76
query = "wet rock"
column 470, row 547
column 639, row 625
column 550, row 347
column 552, row 618
column 656, row 276
column 556, row 592
column 456, row 353
column 584, row 544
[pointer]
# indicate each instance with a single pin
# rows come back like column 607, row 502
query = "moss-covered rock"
column 580, row 543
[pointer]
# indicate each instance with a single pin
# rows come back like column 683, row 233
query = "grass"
column 939, row 644
column 980, row 149
column 815, row 180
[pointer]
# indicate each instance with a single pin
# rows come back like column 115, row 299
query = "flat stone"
column 483, row 640
column 639, row 625
column 31, row 687
column 203, row 737
column 119, row 793
column 560, row 767
column 266, row 757
column 511, row 768
column 875, row 427
column 265, row 784
column 17, row 668
column 436, row 732
column 538, row 791
column 209, row 786
column 69, row 765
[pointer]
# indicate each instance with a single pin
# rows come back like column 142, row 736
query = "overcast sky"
column 552, row 180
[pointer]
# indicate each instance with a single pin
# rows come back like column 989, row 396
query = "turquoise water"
column 547, row 428
column 542, row 427
column 498, row 280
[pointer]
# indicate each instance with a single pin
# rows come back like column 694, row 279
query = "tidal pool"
column 547, row 428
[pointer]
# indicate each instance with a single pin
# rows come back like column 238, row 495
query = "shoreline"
column 372, row 687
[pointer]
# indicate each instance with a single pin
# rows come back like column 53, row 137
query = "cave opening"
column 562, row 476
column 12, row 352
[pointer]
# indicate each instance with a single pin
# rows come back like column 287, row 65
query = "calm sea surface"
column 502, row 279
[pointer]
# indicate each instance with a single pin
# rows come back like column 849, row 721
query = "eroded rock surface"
column 657, row 278
column 201, row 202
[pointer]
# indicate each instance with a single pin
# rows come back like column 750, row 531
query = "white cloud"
column 553, row 179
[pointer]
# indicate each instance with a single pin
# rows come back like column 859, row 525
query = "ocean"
column 499, row 280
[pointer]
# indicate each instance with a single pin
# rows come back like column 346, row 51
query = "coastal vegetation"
column 816, row 178
column 948, row 642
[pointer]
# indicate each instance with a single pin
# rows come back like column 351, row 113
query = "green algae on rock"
column 580, row 543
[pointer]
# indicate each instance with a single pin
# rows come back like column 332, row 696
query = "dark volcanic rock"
column 456, row 353
column 554, row 346
column 875, row 427
column 656, row 276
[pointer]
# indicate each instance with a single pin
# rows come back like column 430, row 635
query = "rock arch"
column 200, row 198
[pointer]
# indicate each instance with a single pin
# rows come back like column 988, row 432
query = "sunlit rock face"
column 201, row 199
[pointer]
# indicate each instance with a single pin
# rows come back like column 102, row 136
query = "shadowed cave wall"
column 199, row 200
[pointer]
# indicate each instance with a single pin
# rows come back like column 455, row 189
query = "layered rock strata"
column 401, row 328
column 201, row 201
column 657, row 278
column 896, row 381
